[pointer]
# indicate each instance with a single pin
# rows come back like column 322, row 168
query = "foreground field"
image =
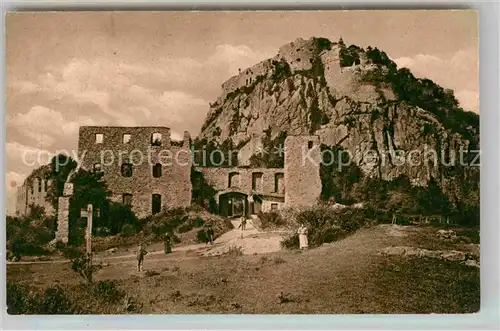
column 348, row 276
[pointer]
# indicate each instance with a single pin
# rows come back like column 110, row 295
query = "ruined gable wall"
column 174, row 185
column 34, row 192
column 302, row 179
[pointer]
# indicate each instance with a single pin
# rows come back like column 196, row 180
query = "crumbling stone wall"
column 218, row 178
column 246, row 77
column 241, row 181
column 174, row 184
column 34, row 192
column 299, row 54
column 302, row 164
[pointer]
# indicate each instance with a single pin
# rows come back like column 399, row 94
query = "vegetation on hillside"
column 273, row 151
column 346, row 184
column 418, row 92
column 210, row 153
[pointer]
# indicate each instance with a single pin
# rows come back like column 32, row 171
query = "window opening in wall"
column 257, row 181
column 310, row 144
column 157, row 170
column 156, row 139
column 99, row 138
column 126, row 138
column 127, row 199
column 156, row 203
column 233, row 179
column 278, row 185
column 46, row 185
column 274, row 207
column 127, row 170
column 39, row 184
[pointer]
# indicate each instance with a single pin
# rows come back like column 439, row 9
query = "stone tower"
column 302, row 164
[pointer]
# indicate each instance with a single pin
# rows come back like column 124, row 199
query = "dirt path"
column 250, row 241
column 347, row 276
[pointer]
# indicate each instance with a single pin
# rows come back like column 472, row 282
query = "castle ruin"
column 145, row 169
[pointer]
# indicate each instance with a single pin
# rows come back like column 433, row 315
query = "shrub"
column 27, row 236
column 201, row 236
column 127, row 230
column 290, row 241
column 326, row 224
column 198, row 222
column 71, row 252
column 55, row 301
column 84, row 267
column 21, row 299
column 270, row 219
column 108, row 291
column 118, row 216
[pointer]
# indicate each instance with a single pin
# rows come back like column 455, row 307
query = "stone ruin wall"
column 299, row 54
column 246, row 77
column 34, row 192
column 218, row 178
column 174, row 185
column 302, row 179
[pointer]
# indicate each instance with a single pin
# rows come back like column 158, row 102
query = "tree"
column 61, row 167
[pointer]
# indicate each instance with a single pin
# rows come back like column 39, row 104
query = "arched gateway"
column 233, row 204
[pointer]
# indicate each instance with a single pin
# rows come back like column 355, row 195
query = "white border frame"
column 487, row 318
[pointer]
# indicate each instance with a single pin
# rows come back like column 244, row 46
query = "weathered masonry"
column 145, row 169
column 34, row 191
column 142, row 166
column 246, row 191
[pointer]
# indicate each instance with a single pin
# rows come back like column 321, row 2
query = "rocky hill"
column 352, row 98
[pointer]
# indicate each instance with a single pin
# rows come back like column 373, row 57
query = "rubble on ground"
column 444, row 234
column 453, row 255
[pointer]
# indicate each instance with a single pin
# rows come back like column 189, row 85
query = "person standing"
column 303, row 241
column 243, row 223
column 167, row 243
column 140, row 257
column 210, row 234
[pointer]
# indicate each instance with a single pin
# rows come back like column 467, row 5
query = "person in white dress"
column 303, row 242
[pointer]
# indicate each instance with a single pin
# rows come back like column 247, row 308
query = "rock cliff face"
column 351, row 98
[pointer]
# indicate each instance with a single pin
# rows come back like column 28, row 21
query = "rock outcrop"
column 351, row 98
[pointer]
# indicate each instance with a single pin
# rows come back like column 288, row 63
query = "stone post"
column 89, row 229
column 62, row 232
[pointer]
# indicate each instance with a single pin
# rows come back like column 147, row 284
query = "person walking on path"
column 210, row 235
column 167, row 243
column 140, row 257
column 303, row 241
column 243, row 224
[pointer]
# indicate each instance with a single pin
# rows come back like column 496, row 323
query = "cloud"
column 168, row 91
column 458, row 71
column 236, row 57
column 24, row 157
column 46, row 126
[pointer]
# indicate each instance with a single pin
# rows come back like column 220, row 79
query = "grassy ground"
column 343, row 277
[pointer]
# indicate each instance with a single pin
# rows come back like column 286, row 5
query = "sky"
column 68, row 69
